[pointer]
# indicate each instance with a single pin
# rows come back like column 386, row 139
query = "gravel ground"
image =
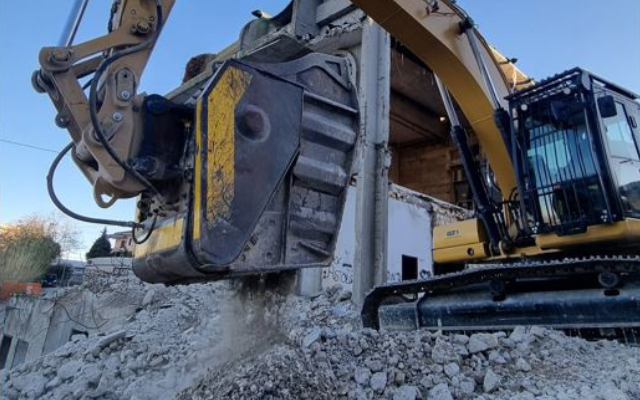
column 325, row 354
column 217, row 342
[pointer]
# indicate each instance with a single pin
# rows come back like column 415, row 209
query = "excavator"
column 247, row 173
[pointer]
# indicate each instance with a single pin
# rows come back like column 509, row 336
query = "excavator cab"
column 576, row 153
column 574, row 147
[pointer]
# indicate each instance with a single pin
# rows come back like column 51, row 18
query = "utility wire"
column 28, row 146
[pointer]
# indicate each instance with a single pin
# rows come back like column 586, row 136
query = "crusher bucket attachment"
column 591, row 294
column 271, row 153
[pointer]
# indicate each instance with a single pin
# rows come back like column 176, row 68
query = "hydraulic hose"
column 67, row 211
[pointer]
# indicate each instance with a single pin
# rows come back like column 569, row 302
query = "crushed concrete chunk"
column 451, row 369
column 491, row 381
column 479, row 342
column 69, row 369
column 362, row 376
column 440, row 392
column 148, row 297
column 378, row 381
column 523, row 365
column 407, row 392
column 312, row 337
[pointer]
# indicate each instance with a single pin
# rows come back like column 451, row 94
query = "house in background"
column 122, row 242
column 118, row 262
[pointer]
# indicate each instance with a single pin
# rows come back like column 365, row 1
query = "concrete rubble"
column 217, row 341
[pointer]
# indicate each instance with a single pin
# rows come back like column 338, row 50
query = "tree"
column 101, row 247
column 27, row 248
column 66, row 234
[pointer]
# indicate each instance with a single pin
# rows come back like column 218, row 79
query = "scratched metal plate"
column 250, row 134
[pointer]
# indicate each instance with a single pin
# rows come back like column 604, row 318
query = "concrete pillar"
column 373, row 158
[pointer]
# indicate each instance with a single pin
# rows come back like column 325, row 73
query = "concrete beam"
column 374, row 160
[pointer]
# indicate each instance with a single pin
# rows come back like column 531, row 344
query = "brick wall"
column 425, row 169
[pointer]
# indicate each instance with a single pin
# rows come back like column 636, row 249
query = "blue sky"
column 547, row 36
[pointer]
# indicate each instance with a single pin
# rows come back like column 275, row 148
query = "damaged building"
column 35, row 326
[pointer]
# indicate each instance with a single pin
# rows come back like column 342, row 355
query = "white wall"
column 409, row 234
column 47, row 323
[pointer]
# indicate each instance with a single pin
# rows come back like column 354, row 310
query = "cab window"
column 619, row 135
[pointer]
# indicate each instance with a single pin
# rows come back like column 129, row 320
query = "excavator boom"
column 437, row 37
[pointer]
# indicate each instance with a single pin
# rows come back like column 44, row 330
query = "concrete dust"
column 249, row 321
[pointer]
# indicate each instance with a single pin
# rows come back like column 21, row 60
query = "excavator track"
column 600, row 292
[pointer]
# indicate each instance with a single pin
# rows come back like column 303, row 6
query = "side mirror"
column 607, row 107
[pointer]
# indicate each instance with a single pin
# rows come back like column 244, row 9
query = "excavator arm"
column 438, row 33
column 107, row 125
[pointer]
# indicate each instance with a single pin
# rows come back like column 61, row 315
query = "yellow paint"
column 197, row 206
column 474, row 251
column 162, row 238
column 221, row 141
column 455, row 248
column 452, row 242
column 458, row 234
column 624, row 231
column 523, row 252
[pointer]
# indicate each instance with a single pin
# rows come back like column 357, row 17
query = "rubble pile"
column 216, row 341
column 156, row 352
column 325, row 354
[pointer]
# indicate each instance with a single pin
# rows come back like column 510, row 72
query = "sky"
column 547, row 36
